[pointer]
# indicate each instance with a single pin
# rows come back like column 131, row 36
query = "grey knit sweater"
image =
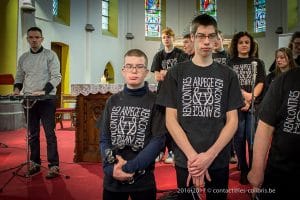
column 35, row 70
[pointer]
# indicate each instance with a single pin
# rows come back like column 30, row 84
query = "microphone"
column 254, row 69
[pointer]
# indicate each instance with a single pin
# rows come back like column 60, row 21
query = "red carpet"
column 85, row 178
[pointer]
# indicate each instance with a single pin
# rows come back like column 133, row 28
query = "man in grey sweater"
column 38, row 73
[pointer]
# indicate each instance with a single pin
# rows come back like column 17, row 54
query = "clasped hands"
column 198, row 169
column 247, row 100
column 160, row 76
column 118, row 173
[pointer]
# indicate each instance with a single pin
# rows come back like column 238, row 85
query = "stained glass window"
column 153, row 18
column 55, row 7
column 105, row 14
column 209, row 7
column 259, row 16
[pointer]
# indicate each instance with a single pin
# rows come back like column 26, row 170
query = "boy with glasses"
column 188, row 46
column 201, row 99
column 219, row 54
column 132, row 134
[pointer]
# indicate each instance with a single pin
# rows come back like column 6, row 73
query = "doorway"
column 62, row 51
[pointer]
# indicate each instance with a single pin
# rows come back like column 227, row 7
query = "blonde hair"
column 168, row 31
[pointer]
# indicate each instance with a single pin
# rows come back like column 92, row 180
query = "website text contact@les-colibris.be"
column 230, row 190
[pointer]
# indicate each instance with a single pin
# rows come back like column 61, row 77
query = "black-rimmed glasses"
column 202, row 36
column 130, row 68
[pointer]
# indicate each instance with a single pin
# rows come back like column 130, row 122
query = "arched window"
column 208, row 7
column 259, row 7
column 154, row 18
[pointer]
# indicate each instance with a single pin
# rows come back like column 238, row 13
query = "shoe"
column 244, row 179
column 233, row 160
column 170, row 158
column 34, row 168
column 159, row 157
column 53, row 172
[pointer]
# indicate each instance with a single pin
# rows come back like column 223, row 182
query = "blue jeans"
column 43, row 111
column 242, row 135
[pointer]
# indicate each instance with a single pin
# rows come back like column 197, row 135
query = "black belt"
column 27, row 97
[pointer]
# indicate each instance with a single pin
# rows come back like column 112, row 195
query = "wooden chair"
column 59, row 113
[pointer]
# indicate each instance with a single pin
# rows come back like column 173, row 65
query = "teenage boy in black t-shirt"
column 188, row 46
column 162, row 62
column 132, row 134
column 219, row 53
column 277, row 140
column 201, row 99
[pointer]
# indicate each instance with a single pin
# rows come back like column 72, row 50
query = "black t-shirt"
column 163, row 60
column 221, row 57
column 202, row 96
column 269, row 79
column 245, row 71
column 129, row 122
column 281, row 109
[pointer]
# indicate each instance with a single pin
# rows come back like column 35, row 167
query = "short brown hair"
column 35, row 28
column 187, row 36
column 204, row 20
column 137, row 53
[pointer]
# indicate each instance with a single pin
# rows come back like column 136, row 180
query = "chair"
column 59, row 113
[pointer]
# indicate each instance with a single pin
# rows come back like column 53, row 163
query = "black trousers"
column 138, row 195
column 278, row 185
column 215, row 190
column 42, row 111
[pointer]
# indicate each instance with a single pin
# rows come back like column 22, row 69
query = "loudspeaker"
column 129, row 36
column 27, row 6
column 89, row 27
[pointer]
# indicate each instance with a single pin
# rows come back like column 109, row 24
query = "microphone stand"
column 252, row 111
column 29, row 103
column 18, row 168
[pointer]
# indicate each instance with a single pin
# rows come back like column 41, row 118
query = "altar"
column 90, row 103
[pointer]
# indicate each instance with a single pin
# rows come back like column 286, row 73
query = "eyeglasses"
column 34, row 37
column 202, row 37
column 129, row 67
